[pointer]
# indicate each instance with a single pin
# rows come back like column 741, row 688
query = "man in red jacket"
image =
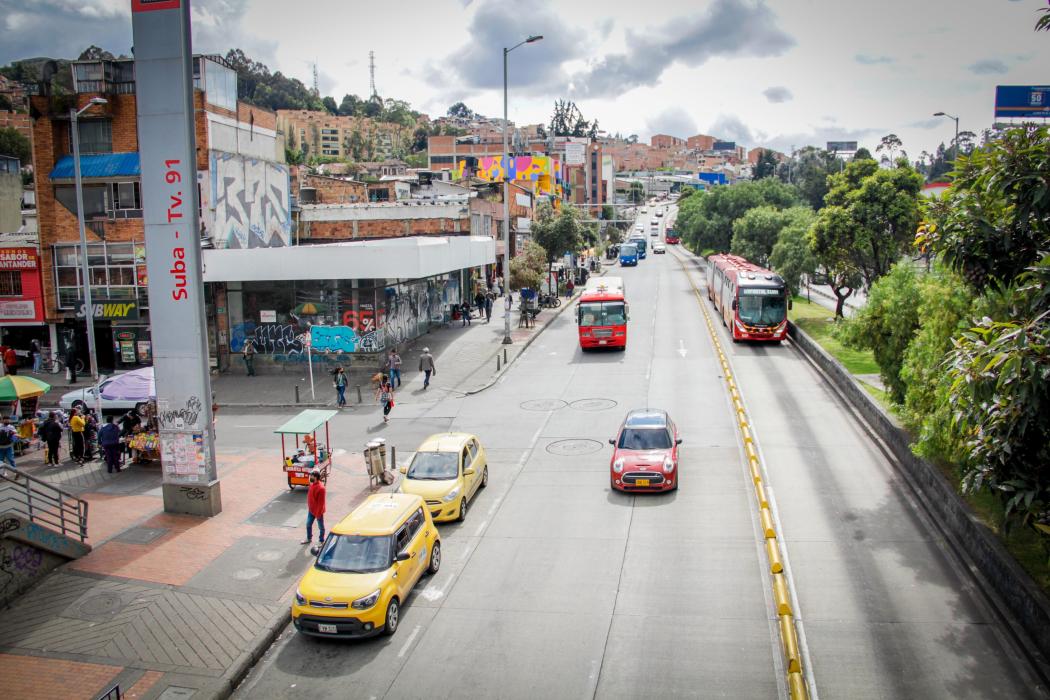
column 315, row 507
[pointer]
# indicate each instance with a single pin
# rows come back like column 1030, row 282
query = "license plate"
column 328, row 629
column 602, row 342
column 641, row 482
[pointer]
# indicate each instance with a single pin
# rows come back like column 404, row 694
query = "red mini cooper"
column 645, row 454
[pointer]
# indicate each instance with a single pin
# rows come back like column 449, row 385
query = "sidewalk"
column 166, row 603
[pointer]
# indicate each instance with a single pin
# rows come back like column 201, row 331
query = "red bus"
column 753, row 301
column 602, row 314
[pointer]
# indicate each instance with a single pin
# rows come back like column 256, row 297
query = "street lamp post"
column 956, row 119
column 89, row 307
column 506, row 189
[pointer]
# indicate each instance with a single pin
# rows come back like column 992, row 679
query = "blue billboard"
column 1022, row 101
column 724, row 146
column 712, row 178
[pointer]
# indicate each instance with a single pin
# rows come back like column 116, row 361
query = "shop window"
column 10, row 283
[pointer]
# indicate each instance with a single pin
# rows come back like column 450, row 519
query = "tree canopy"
column 766, row 166
column 14, row 144
column 567, row 120
column 757, row 231
column 706, row 220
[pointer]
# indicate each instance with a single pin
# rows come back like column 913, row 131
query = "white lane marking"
column 481, row 527
column 433, row 592
column 502, row 379
column 681, row 348
column 408, row 642
column 495, row 505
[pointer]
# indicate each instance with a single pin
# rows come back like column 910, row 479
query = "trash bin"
column 375, row 457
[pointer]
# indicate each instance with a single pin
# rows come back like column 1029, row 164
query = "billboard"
column 712, row 178
column 842, row 146
column 164, row 88
column 18, row 259
column 724, row 146
column 574, row 153
column 1022, row 101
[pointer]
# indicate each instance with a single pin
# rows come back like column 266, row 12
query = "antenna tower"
column 317, row 91
column 372, row 71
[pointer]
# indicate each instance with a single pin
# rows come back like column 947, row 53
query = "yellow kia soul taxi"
column 367, row 567
column 447, row 470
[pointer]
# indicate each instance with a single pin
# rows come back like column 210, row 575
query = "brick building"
column 666, row 141
column 242, row 184
column 319, row 133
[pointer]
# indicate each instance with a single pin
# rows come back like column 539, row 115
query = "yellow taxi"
column 367, row 567
column 447, row 470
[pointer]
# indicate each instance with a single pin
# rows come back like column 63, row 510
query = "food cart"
column 311, row 455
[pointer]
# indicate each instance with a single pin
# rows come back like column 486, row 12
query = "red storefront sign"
column 18, row 259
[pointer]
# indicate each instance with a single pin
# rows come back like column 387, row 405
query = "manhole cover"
column 140, row 535
column 247, row 574
column 101, row 606
column 574, row 447
column 543, row 404
column 593, row 404
column 268, row 555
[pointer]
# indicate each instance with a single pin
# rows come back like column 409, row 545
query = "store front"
column 21, row 300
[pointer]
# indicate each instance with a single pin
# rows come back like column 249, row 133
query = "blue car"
column 628, row 255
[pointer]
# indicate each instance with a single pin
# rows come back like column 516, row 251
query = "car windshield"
column 644, row 439
column 758, row 310
column 603, row 313
column 354, row 554
column 434, row 466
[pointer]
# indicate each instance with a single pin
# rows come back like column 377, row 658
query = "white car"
column 80, row 398
column 659, row 248
column 644, row 210
column 659, row 212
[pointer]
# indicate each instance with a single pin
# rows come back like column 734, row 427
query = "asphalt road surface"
column 557, row 587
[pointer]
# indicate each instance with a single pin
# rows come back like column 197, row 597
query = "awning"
column 411, row 257
column 98, row 165
column 307, row 422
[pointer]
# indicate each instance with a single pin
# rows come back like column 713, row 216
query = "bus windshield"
column 628, row 249
column 759, row 307
column 603, row 313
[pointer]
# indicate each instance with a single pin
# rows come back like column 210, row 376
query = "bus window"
column 756, row 310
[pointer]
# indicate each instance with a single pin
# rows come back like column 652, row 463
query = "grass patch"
column 1027, row 546
column 819, row 323
column 881, row 396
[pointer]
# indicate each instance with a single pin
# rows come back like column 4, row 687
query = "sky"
column 776, row 74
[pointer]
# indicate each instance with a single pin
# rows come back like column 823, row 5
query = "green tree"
column 568, row 120
column 829, row 238
column 685, row 192
column 766, row 165
column 13, row 144
column 330, row 105
column 706, row 222
column 810, row 173
column 757, row 231
column 994, row 222
column 460, row 111
column 1043, row 23
column 890, row 143
column 373, row 107
column 862, row 154
column 559, row 233
column 792, row 257
column 636, row 193
column 349, row 106
column 528, row 267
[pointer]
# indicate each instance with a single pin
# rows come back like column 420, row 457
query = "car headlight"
column 668, row 465
column 451, row 495
column 618, row 465
column 366, row 602
column 299, row 597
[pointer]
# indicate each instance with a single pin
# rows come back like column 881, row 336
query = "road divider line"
column 408, row 642
column 800, row 682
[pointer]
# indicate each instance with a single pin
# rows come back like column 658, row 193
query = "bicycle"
column 54, row 364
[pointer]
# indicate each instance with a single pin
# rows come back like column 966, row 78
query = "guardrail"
column 41, row 503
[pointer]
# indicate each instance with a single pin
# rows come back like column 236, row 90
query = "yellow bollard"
column 790, row 643
column 768, row 530
column 773, row 553
column 756, row 471
column 760, row 494
column 749, row 448
column 780, row 595
column 797, row 687
column 747, row 435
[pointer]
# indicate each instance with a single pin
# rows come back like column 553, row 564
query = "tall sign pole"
column 167, row 156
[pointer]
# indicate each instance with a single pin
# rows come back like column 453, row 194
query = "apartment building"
column 666, row 141
column 326, row 135
column 242, row 183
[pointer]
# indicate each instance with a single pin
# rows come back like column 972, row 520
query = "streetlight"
column 945, row 114
column 89, row 308
column 506, row 190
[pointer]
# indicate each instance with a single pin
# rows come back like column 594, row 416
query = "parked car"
column 366, row 569
column 81, row 398
column 645, row 453
column 447, row 470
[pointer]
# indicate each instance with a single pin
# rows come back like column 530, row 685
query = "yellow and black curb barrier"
column 796, row 682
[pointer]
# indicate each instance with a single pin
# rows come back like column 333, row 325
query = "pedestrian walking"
column 34, row 350
column 11, row 360
column 569, row 287
column 427, row 367
column 76, row 427
column 479, row 301
column 464, row 314
column 109, row 438
column 8, row 435
column 90, row 434
column 488, row 308
column 315, row 507
column 128, row 422
column 249, row 356
column 499, row 284
column 385, row 397
column 395, row 368
column 340, row 381
column 51, row 433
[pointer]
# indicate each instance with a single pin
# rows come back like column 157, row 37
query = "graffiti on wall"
column 247, row 204
column 345, row 339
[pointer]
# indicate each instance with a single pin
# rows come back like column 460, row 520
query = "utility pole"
column 372, row 71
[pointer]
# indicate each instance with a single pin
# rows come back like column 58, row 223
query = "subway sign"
column 110, row 309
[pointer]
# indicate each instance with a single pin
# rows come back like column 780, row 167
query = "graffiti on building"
column 334, row 339
column 247, row 204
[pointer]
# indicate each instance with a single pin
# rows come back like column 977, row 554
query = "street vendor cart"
column 308, row 453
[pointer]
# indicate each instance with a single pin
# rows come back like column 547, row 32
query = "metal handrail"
column 41, row 502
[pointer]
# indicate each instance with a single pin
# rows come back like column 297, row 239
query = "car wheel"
column 485, row 477
column 393, row 617
column 79, row 405
column 463, row 509
column 435, row 558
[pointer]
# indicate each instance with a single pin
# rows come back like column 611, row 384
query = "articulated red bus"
column 602, row 314
column 753, row 301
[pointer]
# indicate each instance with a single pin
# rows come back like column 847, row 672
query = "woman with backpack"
column 339, row 381
column 385, row 396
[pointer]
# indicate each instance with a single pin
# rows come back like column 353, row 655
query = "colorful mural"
column 247, row 204
column 545, row 171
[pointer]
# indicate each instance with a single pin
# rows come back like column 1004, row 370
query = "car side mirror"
column 468, row 471
column 403, row 556
column 612, row 441
column 790, row 304
column 403, row 470
column 678, row 441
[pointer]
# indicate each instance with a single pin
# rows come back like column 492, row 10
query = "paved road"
column 557, row 587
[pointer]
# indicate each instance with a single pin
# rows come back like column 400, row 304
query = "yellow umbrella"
column 15, row 387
